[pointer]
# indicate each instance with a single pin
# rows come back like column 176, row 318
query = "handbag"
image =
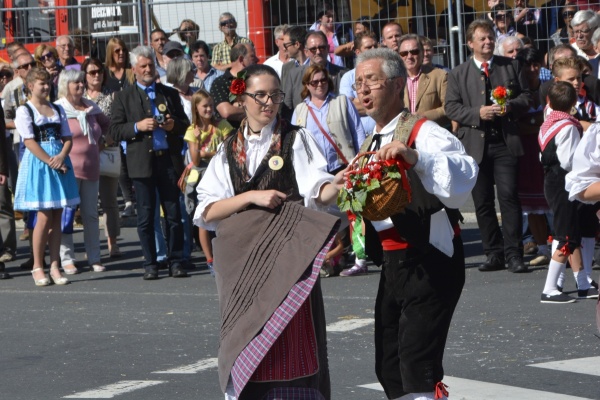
column 66, row 222
column 110, row 162
column 191, row 176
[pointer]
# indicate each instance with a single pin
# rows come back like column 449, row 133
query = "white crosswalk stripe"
column 346, row 325
column 191, row 368
column 587, row 366
column 467, row 389
column 115, row 389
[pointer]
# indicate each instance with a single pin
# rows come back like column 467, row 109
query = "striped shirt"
column 412, row 85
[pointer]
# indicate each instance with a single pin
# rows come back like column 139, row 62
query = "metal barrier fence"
column 92, row 22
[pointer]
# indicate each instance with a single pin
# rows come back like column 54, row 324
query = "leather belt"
column 160, row 153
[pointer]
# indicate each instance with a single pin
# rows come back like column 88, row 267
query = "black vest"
column 265, row 178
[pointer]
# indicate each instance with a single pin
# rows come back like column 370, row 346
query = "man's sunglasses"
column 227, row 22
column 414, row 52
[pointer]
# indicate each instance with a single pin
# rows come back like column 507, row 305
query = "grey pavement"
column 113, row 335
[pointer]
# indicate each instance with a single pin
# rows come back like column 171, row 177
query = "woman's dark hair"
column 97, row 63
column 309, row 75
column 562, row 96
column 530, row 55
column 260, row 69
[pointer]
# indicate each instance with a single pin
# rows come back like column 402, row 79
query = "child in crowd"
column 586, row 112
column 204, row 137
column 46, row 182
column 559, row 135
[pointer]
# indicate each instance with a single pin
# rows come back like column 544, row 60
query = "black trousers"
column 498, row 167
column 416, row 299
column 566, row 213
column 164, row 179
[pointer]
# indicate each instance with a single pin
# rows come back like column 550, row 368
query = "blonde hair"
column 565, row 63
column 196, row 99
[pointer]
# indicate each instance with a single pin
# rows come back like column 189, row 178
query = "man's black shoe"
column 492, row 264
column 516, row 265
column 3, row 273
column 177, row 271
column 151, row 273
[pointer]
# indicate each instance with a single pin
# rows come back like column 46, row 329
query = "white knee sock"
column 554, row 269
column 581, row 279
column 587, row 255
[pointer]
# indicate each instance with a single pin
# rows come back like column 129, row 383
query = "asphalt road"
column 113, row 335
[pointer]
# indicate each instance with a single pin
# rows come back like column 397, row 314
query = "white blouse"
column 216, row 183
column 586, row 164
column 24, row 123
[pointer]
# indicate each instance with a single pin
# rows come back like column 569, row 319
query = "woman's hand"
column 56, row 162
column 267, row 198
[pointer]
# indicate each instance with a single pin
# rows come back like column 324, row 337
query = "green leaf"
column 356, row 206
column 344, row 206
column 374, row 185
column 361, row 197
column 394, row 175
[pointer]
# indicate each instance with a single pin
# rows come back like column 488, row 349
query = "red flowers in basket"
column 500, row 95
column 361, row 181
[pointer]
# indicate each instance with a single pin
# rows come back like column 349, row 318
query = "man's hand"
column 146, row 125
column 488, row 113
column 397, row 149
column 168, row 124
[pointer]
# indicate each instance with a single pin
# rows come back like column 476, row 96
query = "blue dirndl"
column 40, row 187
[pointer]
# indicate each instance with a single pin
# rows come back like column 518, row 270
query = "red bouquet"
column 500, row 95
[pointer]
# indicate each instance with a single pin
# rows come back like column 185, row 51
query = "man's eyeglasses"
column 227, row 22
column 319, row 48
column 568, row 14
column 581, row 32
column 371, row 83
column 414, row 52
column 27, row 66
column 95, row 72
column 263, row 98
column 316, row 82
column 288, row 44
column 500, row 16
column 46, row 57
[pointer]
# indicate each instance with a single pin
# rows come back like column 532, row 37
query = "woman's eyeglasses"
column 46, row 57
column 568, row 14
column 263, row 98
column 316, row 82
column 95, row 72
column 119, row 51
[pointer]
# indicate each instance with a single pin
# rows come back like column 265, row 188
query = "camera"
column 160, row 119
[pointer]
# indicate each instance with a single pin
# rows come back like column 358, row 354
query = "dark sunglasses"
column 227, row 22
column 320, row 48
column 316, row 82
column 119, row 51
column 6, row 76
column 95, row 72
column 288, row 44
column 414, row 52
column 568, row 14
column 27, row 66
column 500, row 16
column 47, row 56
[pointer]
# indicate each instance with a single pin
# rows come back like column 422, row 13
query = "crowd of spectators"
column 317, row 80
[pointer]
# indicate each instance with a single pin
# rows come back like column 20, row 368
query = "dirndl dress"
column 40, row 187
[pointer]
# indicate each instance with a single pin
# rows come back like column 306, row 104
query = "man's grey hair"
column 586, row 16
column 392, row 65
column 67, row 76
column 15, row 63
column 280, row 31
column 226, row 14
column 140, row 51
column 411, row 36
column 507, row 40
column 178, row 69
column 69, row 38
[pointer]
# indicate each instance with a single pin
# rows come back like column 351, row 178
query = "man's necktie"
column 150, row 92
column 486, row 71
column 377, row 141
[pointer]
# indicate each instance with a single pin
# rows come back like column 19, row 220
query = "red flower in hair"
column 238, row 87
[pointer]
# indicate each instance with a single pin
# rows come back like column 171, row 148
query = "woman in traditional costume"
column 260, row 193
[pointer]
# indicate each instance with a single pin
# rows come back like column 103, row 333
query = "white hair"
column 140, row 51
column 67, row 76
column 507, row 40
column 586, row 17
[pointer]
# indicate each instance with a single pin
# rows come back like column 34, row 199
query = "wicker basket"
column 389, row 199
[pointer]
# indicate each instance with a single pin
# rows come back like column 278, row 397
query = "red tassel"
column 565, row 249
column 440, row 390
column 405, row 183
